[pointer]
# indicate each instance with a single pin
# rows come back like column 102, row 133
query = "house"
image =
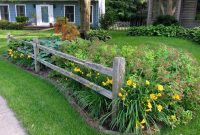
column 187, row 12
column 44, row 12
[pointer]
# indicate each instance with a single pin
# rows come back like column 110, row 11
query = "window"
column 4, row 12
column 198, row 11
column 70, row 12
column 91, row 14
column 20, row 10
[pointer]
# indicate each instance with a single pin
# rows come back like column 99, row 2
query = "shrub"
column 22, row 19
column 107, row 20
column 69, row 30
column 4, row 24
column 166, row 20
column 58, row 25
column 16, row 26
column 162, row 87
column 99, row 34
column 168, row 31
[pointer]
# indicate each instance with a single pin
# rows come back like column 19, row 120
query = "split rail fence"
column 117, row 72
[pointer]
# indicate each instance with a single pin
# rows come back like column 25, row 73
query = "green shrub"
column 22, row 19
column 192, row 34
column 166, row 20
column 4, row 24
column 15, row 26
column 162, row 87
column 99, row 34
column 108, row 19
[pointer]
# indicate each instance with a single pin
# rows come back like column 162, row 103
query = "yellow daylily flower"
column 159, row 95
column 143, row 121
column 77, row 70
column 159, row 107
column 176, row 97
column 153, row 96
column 147, row 82
column 129, row 82
column 160, row 87
column 120, row 94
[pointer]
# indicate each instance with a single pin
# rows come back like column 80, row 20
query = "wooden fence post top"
column 8, row 35
column 35, row 40
column 118, row 80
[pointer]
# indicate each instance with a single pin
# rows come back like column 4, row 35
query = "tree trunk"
column 85, row 17
column 170, row 9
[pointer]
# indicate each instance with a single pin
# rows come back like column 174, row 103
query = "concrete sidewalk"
column 9, row 125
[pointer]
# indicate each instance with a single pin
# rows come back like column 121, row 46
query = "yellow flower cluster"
column 155, row 96
column 173, row 118
column 78, row 70
column 160, row 87
column 123, row 94
column 131, row 83
column 159, row 107
column 14, row 55
column 176, row 97
column 107, row 82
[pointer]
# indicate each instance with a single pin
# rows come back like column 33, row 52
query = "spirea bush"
column 162, row 87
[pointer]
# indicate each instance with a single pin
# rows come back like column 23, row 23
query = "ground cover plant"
column 192, row 34
column 166, row 93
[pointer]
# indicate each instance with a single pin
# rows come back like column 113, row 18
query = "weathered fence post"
column 36, row 52
column 118, row 79
column 8, row 38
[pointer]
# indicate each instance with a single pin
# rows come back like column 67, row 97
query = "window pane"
column 4, row 12
column 198, row 10
column 20, row 10
column 45, row 14
column 69, row 13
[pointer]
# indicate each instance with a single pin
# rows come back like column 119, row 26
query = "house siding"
column 188, row 13
column 58, row 10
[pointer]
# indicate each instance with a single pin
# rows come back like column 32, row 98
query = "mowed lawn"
column 38, row 105
column 43, row 110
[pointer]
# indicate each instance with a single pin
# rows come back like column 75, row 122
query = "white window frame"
column 9, row 18
column 20, row 5
column 74, row 11
column 92, row 13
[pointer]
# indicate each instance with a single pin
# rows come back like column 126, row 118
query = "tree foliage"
column 128, row 9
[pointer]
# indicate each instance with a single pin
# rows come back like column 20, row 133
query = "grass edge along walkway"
column 39, row 106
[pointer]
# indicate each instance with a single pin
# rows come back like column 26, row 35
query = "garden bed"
column 135, row 82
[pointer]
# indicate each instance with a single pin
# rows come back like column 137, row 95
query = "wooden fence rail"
column 117, row 72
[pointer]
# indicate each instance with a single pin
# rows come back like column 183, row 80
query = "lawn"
column 121, row 38
column 37, row 103
column 43, row 110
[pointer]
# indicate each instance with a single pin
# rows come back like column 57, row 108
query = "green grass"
column 121, row 38
column 37, row 103
column 42, row 110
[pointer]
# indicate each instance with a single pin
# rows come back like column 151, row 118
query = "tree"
column 85, row 17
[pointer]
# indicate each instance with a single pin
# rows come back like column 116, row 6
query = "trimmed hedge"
column 5, row 25
column 168, row 31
